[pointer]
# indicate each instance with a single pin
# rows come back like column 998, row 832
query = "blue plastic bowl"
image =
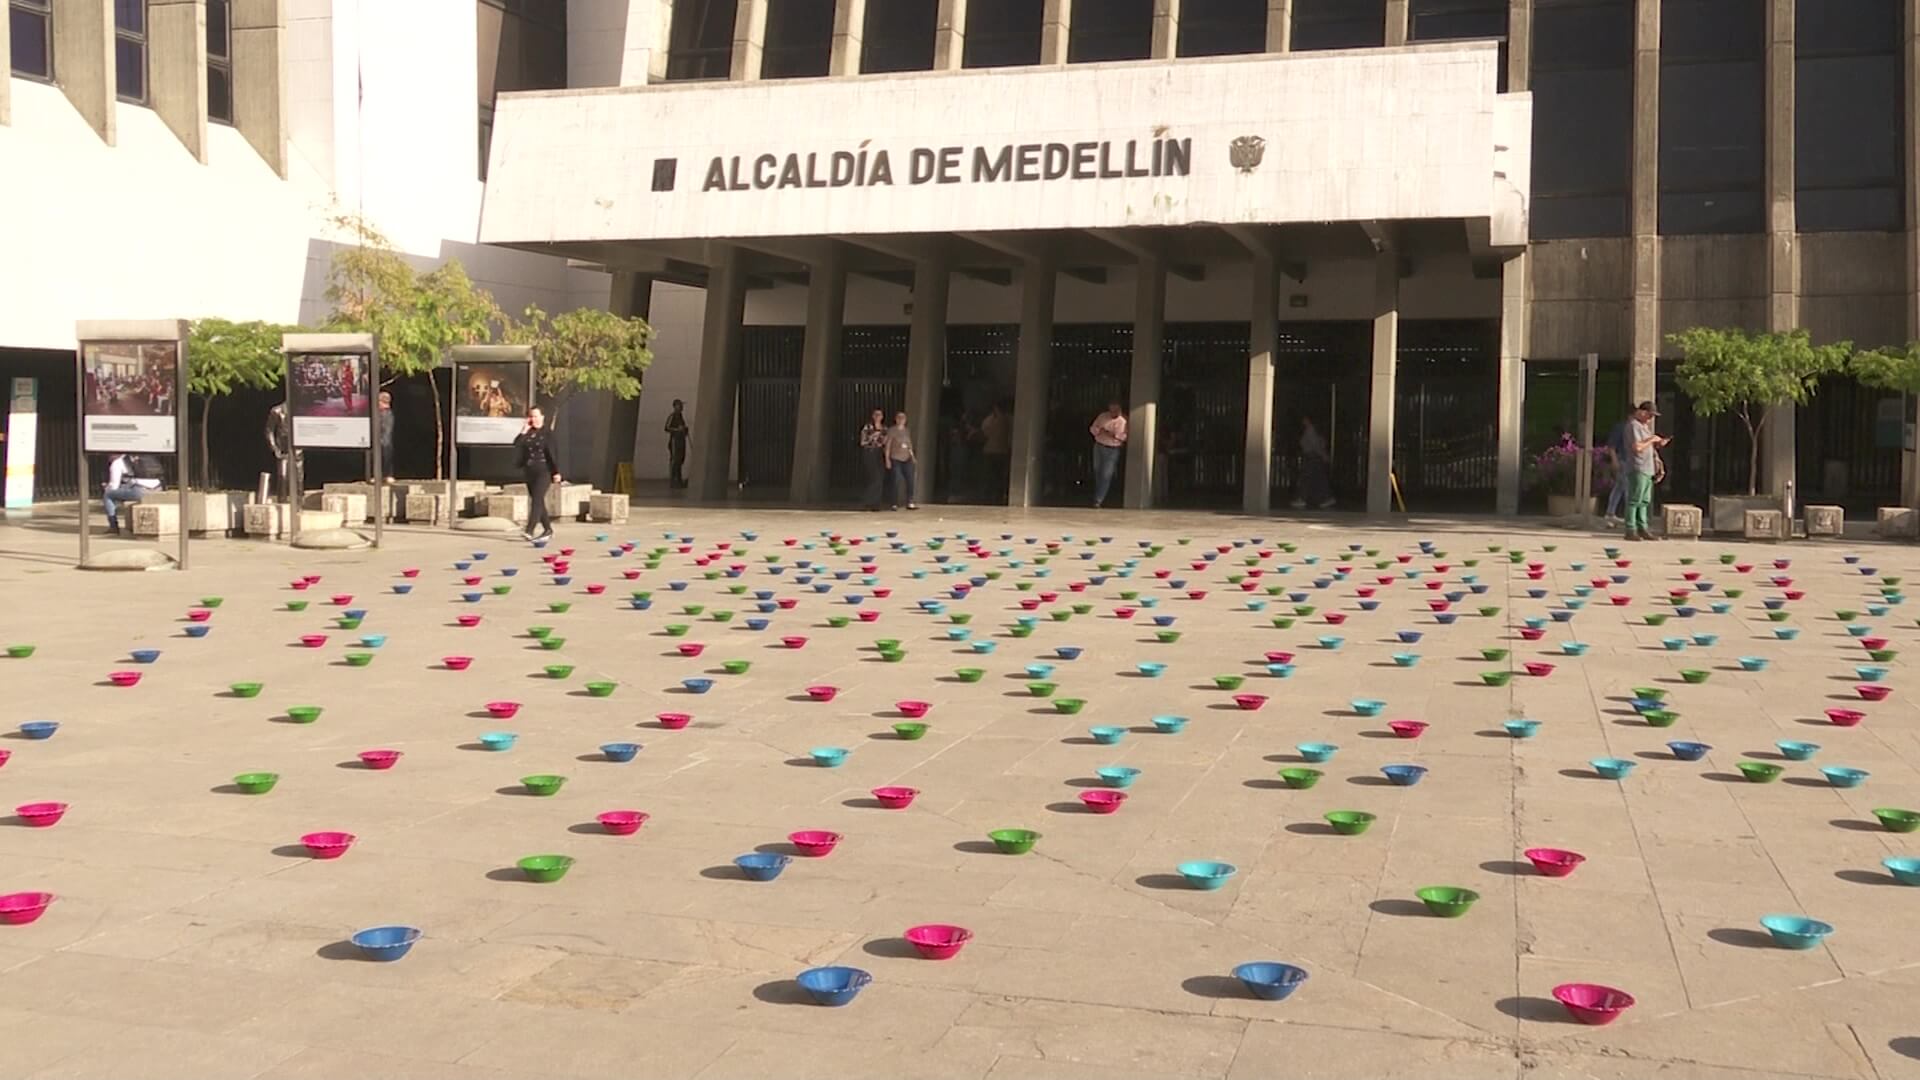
column 355, row 613
column 1674, row 644
column 479, row 556
column 1117, row 776
column 1446, row 618
column 833, row 986
column 1270, row 981
column 640, row 603
column 1410, row 637
column 1068, row 652
column 1206, row 874
column 148, row 656
column 1039, row 671
column 828, row 757
column 698, row 686
column 1172, row 725
column 1280, row 671
column 1647, row 705
column 982, row 647
column 619, row 751
column 761, row 866
column 1870, row 672
column 1331, row 642
column 1612, row 768
column 1842, row 776
column 1317, row 751
column 1775, row 604
column 1536, row 594
column 1479, row 589
column 1689, row 751
column 1152, row 669
column 1404, row 775
column 1786, row 633
column 464, row 564
column 1522, row 729
column 1795, row 931
column 498, row 740
column 1797, row 751
column 472, row 597
column 1107, row 736
column 1905, row 869
column 39, row 729
column 1406, row 659
column 1574, row 648
column 1161, row 620
column 1704, row 640
column 1618, row 579
column 1562, row 615
column 198, row 629
column 758, row 624
column 1753, row 663
column 403, row 587
column 766, row 607
column 763, row 594
column 1368, row 706
column 509, row 571
column 386, row 943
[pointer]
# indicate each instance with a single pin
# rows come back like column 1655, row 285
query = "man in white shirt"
column 1109, row 431
column 129, row 478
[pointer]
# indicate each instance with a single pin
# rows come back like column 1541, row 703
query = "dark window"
column 219, row 62
column 1339, row 24
column 1123, row 30
column 1713, row 131
column 1002, row 33
column 522, row 46
column 1848, row 170
column 799, row 41
column 1222, row 27
column 1462, row 20
column 1582, row 118
column 898, row 36
column 130, row 50
column 700, row 44
column 30, row 24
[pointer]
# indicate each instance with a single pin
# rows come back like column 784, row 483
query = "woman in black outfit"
column 539, row 462
column 873, row 457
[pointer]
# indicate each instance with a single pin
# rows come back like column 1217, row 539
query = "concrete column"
column 1397, row 17
column 1166, row 29
column 950, row 38
column 259, row 79
column 1519, row 46
column 177, row 69
column 813, row 434
column 1279, row 26
column 927, row 363
column 83, row 62
column 6, row 84
column 849, row 27
column 1030, row 380
column 749, row 40
column 1778, row 457
column 1910, row 42
column 1386, row 361
column 1143, row 386
column 1256, row 465
column 628, row 296
column 711, row 445
column 1056, row 27
column 1646, row 198
column 1513, row 382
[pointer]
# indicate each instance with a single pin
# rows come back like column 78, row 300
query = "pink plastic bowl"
column 410, row 572
column 472, row 579
column 1871, row 643
column 1031, row 603
column 913, row 710
column 1438, row 605
column 1623, row 601
column 895, row 798
column 5, row 756
column 124, row 678
column 298, row 585
column 794, row 642
column 823, row 693
column 200, row 614
column 1845, row 717
column 21, row 908
column 343, row 600
column 1690, row 575
column 457, row 663
column 1249, row 702
column 1554, row 862
column 882, row 593
column 1163, row 574
column 311, row 579
column 1873, row 691
column 1539, row 668
column 1591, row 1003
column 1436, row 584
column 467, row 620
column 630, row 575
column 379, row 759
column 503, row 710
column 622, row 822
column 786, row 603
column 1365, row 592
column 40, row 815
column 1280, row 657
column 1336, row 617
column 674, row 721
column 313, row 641
column 1123, row 613
column 937, row 941
column 1536, row 575
column 596, row 590
column 327, row 845
column 1102, row 800
column 869, row 616
column 814, row 843
column 692, row 648
column 1407, row 729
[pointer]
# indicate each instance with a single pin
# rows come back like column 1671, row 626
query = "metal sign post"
column 318, row 365
column 492, row 390
column 123, row 369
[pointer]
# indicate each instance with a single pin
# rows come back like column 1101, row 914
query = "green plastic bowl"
column 552, row 643
column 1496, row 678
column 887, row 644
column 1447, row 901
column 1651, row 693
column 1082, row 609
column 1301, row 778
column 960, row 618
column 546, row 868
column 839, row 621
column 1042, row 689
column 539, row 633
column 1900, row 821
column 692, row 609
column 1069, row 706
column 1489, row 612
column 1660, row 717
column 1229, row 682
column 1061, row 615
column 1349, row 822
column 1656, row 618
column 1695, row 675
column 676, row 629
column 1014, row 841
column 1759, row 772
column 895, row 656
column 1020, row 631
column 296, row 605
column 542, row 784
column 354, row 659
column 502, row 590
column 560, row 607
column 1882, row 656
column 558, row 671
column 1167, row 636
column 1283, row 622
column 256, row 783
column 215, row 601
column 246, row 689
column 721, row 616
column 1493, row 655
column 303, row 714
column 910, row 730
column 602, row 688
column 736, row 667
column 970, row 674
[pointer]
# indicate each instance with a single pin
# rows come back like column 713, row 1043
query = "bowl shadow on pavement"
column 1741, row 937
column 1509, row 867
column 1540, row 1010
column 1214, row 986
column 891, row 948
column 343, row 950
column 1400, row 906
column 781, row 992
column 1907, row 1046
column 977, row 847
column 1167, row 882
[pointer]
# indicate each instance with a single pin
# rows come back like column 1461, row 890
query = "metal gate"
column 1092, row 365
column 769, row 403
column 873, row 375
column 1323, row 371
column 1446, row 423
column 1201, row 434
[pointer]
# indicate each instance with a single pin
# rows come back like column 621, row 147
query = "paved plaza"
column 193, row 934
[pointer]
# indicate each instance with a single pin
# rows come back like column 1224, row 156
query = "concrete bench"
column 1680, row 519
column 1825, row 520
column 1764, row 525
column 1897, row 522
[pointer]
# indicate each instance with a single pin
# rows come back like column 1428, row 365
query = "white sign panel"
column 1398, row 134
column 127, row 396
column 332, row 400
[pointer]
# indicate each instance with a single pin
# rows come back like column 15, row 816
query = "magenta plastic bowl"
column 1279, row 658
column 692, row 648
column 1873, row 691
column 814, row 843
column 379, row 759
column 1591, row 1003
column 1103, row 800
column 200, row 614
column 1407, row 729
column 913, row 710
column 343, row 600
column 1845, row 717
column 622, row 822
column 823, row 693
column 467, row 620
column 5, row 756
column 895, row 798
column 327, row 845
column 41, row 814
column 124, row 678
column 313, row 641
column 794, row 642
column 938, row 941
column 1554, row 862
column 1249, row 702
column 1539, row 668
column 674, row 721
column 21, row 908
column 457, row 663
column 503, row 710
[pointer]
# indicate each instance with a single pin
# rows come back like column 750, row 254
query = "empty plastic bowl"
column 1171, row 725
column 386, row 943
column 1270, row 981
column 1554, row 862
column 1447, row 901
column 327, row 845
column 619, row 751
column 621, row 822
column 379, row 759
column 1014, row 841
column 1905, row 870
column 1368, row 706
column 144, row 656
column 41, row 815
column 1689, row 751
column 1611, row 768
column 814, row 843
column 1797, row 751
column 1404, row 775
column 823, row 693
column 1759, row 772
column 1106, row 735
column 938, row 941
column 1316, row 752
column 1349, row 822
column 1207, row 875
column 542, row 783
column 833, row 986
column 502, row 710
column 1900, row 821
column 21, row 908
column 498, row 740
column 1795, row 931
column 1841, row 776
column 1300, row 778
column 697, row 686
column 1407, row 729
column 1591, row 1003
column 245, row 689
column 828, row 757
column 1117, row 776
column 1522, row 729
column 545, row 868
column 895, row 798
column 1102, row 800
column 761, row 865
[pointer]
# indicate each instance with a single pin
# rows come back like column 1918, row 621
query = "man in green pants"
column 1640, row 468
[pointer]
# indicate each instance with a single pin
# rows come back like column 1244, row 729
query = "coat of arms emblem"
column 1247, row 151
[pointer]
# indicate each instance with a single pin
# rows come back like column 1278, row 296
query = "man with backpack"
column 129, row 478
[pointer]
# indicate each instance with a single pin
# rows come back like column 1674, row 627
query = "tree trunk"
column 1753, row 450
column 439, row 429
column 206, row 466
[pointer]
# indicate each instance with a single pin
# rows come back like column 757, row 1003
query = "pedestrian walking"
column 677, row 432
column 1645, row 461
column 873, row 458
column 1316, row 469
column 900, row 462
column 1109, row 431
column 539, row 462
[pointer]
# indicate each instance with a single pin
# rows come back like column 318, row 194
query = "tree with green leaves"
column 224, row 356
column 584, row 349
column 1748, row 374
column 1895, row 368
column 415, row 316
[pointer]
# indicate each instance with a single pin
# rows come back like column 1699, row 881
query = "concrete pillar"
column 1519, row 46
column 1646, row 199
column 1513, row 382
column 177, row 69
column 628, row 296
column 1256, row 464
column 849, row 27
column 711, row 445
column 1397, row 17
column 813, row 435
column 1056, row 27
column 259, row 78
column 1030, row 380
column 6, row 84
column 927, row 363
column 1778, row 457
column 1279, row 26
column 1143, row 386
column 749, row 40
column 83, row 62
column 1386, row 360
column 1910, row 50
column 950, row 37
column 1166, row 29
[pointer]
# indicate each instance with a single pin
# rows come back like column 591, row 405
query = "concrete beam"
column 1386, row 362
column 177, row 70
column 1056, row 31
column 1910, row 54
column 813, row 435
column 1513, row 383
column 1779, row 457
column 1519, row 46
column 749, row 40
column 949, row 41
column 83, row 62
column 1646, row 199
column 6, row 84
column 1092, row 275
column 628, row 295
column 1031, row 380
column 1017, row 246
column 1397, row 15
column 1188, row 271
column 992, row 275
column 259, row 78
column 1166, row 29
column 849, row 30
column 1256, row 470
column 1279, row 26
column 803, row 250
column 926, row 363
column 1132, row 243
column 1143, row 384
column 711, row 442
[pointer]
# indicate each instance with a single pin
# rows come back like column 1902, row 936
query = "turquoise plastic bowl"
column 1117, row 776
column 1797, row 751
column 1107, row 736
column 1796, row 931
column 1843, row 777
column 1612, row 768
column 1704, row 640
column 1207, row 875
column 1317, row 751
column 1904, row 868
column 1522, row 729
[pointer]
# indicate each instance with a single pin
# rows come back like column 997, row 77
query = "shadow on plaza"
column 1540, row 1010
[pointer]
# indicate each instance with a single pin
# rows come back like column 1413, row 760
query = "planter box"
column 569, row 501
column 153, row 519
column 1825, row 520
column 508, row 506
column 426, row 509
column 1568, row 505
column 608, row 509
column 1900, row 522
column 1679, row 519
column 350, row 507
column 1764, row 525
column 1727, row 513
column 266, row 520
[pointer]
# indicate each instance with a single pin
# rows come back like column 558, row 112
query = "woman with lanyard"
column 539, row 462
